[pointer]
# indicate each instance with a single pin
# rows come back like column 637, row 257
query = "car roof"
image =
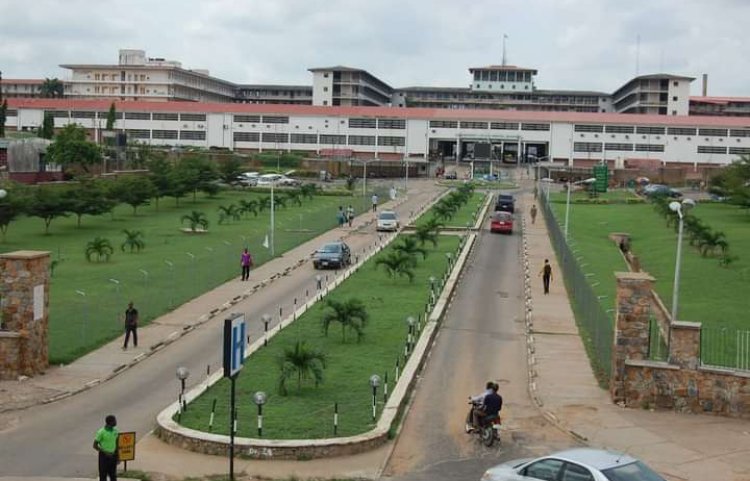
column 387, row 212
column 595, row 458
column 505, row 196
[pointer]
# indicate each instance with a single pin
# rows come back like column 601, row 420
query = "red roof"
column 391, row 112
column 33, row 81
column 720, row 100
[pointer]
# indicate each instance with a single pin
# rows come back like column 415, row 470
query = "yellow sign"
column 126, row 446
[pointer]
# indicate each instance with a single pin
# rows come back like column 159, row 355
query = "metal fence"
column 595, row 325
column 725, row 347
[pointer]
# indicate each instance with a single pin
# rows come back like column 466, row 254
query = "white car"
column 582, row 464
column 387, row 221
column 278, row 179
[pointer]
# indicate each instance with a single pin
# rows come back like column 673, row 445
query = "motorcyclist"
column 477, row 406
column 493, row 403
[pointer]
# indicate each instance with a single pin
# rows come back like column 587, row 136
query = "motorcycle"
column 489, row 431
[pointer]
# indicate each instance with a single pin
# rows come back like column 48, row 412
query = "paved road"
column 481, row 339
column 56, row 439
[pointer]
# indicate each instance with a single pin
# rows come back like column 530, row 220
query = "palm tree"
column 279, row 201
column 308, row 190
column 249, row 206
column 428, row 232
column 264, row 203
column 397, row 263
column 410, row 246
column 710, row 241
column 294, row 197
column 351, row 314
column 52, row 88
column 101, row 247
column 302, row 361
column 196, row 219
column 133, row 240
column 228, row 212
column 445, row 209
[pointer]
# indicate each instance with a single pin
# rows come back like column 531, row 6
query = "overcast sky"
column 575, row 44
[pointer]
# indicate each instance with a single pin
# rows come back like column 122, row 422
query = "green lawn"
column 463, row 215
column 309, row 413
column 86, row 298
column 613, row 196
column 709, row 294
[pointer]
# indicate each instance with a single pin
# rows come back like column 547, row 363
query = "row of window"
column 628, row 129
column 619, row 147
column 82, row 114
column 452, row 124
column 323, row 139
column 141, row 134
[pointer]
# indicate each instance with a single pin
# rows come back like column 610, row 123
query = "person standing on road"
column 374, row 202
column 533, row 213
column 546, row 274
column 350, row 214
column 131, row 325
column 105, row 442
column 246, row 261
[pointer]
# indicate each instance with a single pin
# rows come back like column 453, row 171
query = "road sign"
column 126, row 446
column 235, row 344
column 601, row 174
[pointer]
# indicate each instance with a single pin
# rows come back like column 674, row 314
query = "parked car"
column 575, row 464
column 505, row 203
column 452, row 175
column 502, row 222
column 387, row 221
column 660, row 190
column 334, row 254
column 278, row 179
column 248, row 179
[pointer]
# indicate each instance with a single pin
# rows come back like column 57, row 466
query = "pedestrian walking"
column 131, row 325
column 533, row 213
column 105, row 443
column 350, row 214
column 374, row 202
column 341, row 216
column 246, row 261
column 546, row 274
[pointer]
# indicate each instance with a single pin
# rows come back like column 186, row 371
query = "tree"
column 52, row 88
column 159, row 172
column 197, row 174
column 249, row 206
column 11, row 206
column 410, row 246
column 47, row 130
column 294, row 197
column 734, row 182
column 70, row 148
column 265, row 203
column 351, row 314
column 133, row 240
column 88, row 197
column 428, row 232
column 444, row 210
column 230, row 169
column 712, row 240
column 308, row 190
column 195, row 219
column 47, row 203
column 397, row 263
column 134, row 191
column 230, row 212
column 3, row 117
column 99, row 246
column 179, row 182
column 302, row 361
column 111, row 117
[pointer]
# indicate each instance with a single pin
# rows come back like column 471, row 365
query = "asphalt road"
column 56, row 439
column 481, row 339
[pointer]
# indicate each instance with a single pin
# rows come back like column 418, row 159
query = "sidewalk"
column 681, row 446
column 110, row 360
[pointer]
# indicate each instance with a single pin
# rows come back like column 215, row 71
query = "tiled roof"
column 392, row 112
column 720, row 100
column 29, row 81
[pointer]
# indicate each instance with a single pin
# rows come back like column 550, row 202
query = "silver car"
column 582, row 464
column 387, row 221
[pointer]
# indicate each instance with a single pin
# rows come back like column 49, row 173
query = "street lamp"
column 374, row 383
column 182, row 374
column 432, row 285
column 259, row 398
column 678, row 207
column 449, row 256
column 266, row 318
column 547, row 181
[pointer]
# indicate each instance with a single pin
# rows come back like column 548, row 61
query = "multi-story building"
column 347, row 86
column 723, row 106
column 136, row 77
column 21, row 88
column 274, row 94
column 658, row 94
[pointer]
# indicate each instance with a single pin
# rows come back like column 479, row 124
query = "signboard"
column 235, row 344
column 38, row 302
column 601, row 174
column 126, row 446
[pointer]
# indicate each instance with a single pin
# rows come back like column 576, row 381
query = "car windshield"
column 387, row 216
column 636, row 471
column 502, row 216
column 330, row 248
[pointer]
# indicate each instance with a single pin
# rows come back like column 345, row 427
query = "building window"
column 391, row 123
column 443, row 124
column 713, row 132
column 271, row 119
column 710, row 149
column 333, row 139
column 504, row 125
column 676, row 83
column 649, row 148
column 246, row 118
column 304, row 139
column 618, row 147
column 164, row 134
column 674, row 99
column 587, row 147
column 620, row 129
column 474, row 125
column 139, row 133
column 272, row 137
column 650, row 130
column 165, row 116
column 192, row 135
column 325, row 102
column 137, row 116
column 391, row 141
column 362, row 123
column 589, row 128
column 535, row 127
column 325, row 89
column 674, row 112
column 246, row 136
column 193, row 117
column 361, row 140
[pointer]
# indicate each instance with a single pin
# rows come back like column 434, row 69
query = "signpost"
column 126, row 447
column 601, row 174
column 235, row 345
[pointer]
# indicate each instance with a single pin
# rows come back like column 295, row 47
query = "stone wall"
column 24, row 287
column 681, row 383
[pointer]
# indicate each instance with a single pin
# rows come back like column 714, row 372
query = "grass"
column 463, row 215
column 309, row 413
column 710, row 294
column 87, row 298
column 612, row 196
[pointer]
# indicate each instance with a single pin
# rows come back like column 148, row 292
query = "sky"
column 574, row 44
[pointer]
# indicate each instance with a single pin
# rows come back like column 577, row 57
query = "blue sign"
column 235, row 344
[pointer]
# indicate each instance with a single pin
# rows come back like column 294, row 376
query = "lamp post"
column 432, row 285
column 266, row 318
column 449, row 256
column 182, row 374
column 374, row 383
column 567, row 207
column 259, row 398
column 678, row 207
column 410, row 321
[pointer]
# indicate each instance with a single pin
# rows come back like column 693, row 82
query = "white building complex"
column 393, row 133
